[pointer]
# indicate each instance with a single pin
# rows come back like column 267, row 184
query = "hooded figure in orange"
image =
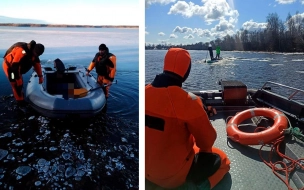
column 179, row 136
column 18, row 60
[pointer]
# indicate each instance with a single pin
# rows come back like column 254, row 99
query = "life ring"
column 264, row 137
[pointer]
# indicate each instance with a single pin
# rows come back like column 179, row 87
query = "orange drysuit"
column 17, row 61
column 105, row 68
column 176, row 126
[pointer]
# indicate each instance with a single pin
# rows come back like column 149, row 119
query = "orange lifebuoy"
column 266, row 136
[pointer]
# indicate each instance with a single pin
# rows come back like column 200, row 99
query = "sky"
column 189, row 22
column 79, row 12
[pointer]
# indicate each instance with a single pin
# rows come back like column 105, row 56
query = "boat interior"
column 66, row 84
column 274, row 166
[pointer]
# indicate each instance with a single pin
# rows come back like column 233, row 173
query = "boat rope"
column 287, row 165
column 296, row 132
column 83, row 74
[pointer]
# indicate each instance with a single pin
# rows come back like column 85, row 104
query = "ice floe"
column 42, row 153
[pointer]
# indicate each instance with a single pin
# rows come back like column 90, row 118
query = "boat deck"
column 248, row 169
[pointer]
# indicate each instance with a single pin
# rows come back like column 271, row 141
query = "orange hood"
column 178, row 61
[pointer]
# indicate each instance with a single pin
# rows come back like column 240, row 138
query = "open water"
column 100, row 153
column 252, row 68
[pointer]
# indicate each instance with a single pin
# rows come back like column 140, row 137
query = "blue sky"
column 83, row 12
column 186, row 22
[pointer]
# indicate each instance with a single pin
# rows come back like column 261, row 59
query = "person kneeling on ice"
column 179, row 136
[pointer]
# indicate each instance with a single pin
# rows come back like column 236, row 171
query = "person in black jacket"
column 105, row 64
column 210, row 52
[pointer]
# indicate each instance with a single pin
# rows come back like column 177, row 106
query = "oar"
column 85, row 91
column 206, row 56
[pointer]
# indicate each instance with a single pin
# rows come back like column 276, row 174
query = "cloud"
column 190, row 36
column 146, row 32
column 183, row 8
column 164, row 41
column 286, row 1
column 210, row 11
column 222, row 29
column 201, row 32
column 223, row 34
column 182, row 29
column 161, row 34
column 223, row 26
column 214, row 12
column 254, row 26
column 218, row 10
column 173, row 36
column 163, row 2
column 297, row 18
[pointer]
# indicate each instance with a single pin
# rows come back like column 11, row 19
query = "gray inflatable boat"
column 67, row 94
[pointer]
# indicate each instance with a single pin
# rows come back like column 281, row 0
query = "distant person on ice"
column 210, row 52
column 218, row 52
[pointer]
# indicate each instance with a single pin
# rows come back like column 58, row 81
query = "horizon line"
column 65, row 25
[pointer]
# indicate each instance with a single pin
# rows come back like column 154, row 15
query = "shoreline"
column 269, row 52
column 66, row 25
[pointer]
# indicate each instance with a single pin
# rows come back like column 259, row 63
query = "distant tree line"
column 276, row 37
column 65, row 25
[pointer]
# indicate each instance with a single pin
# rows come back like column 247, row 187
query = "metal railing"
column 289, row 92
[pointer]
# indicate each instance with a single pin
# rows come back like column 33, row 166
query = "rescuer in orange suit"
column 18, row 60
column 105, row 64
column 179, row 136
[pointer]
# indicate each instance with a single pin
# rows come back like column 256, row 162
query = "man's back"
column 176, row 128
column 171, row 114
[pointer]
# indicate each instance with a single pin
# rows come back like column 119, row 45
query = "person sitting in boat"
column 60, row 83
column 60, row 68
column 18, row 60
column 105, row 64
column 179, row 136
column 211, row 52
column 218, row 52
